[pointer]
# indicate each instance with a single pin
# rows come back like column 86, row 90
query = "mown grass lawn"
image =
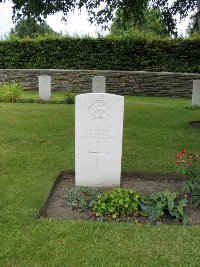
column 37, row 142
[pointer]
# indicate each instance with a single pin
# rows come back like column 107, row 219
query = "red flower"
column 183, row 151
column 180, row 157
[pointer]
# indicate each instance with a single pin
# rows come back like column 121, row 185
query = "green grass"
column 37, row 142
column 155, row 129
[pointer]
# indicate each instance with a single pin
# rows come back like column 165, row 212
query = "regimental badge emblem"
column 99, row 111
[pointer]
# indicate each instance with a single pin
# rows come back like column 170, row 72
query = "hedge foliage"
column 178, row 55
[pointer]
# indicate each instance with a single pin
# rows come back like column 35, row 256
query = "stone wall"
column 119, row 82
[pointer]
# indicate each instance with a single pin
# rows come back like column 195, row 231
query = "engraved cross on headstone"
column 97, row 153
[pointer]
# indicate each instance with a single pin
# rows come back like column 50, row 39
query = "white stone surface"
column 98, row 84
column 98, row 139
column 44, row 87
column 196, row 93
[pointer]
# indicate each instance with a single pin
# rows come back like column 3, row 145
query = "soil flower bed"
column 145, row 184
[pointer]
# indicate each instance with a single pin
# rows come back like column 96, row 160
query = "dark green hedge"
column 180, row 55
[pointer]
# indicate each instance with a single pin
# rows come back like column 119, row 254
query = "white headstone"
column 99, row 84
column 196, row 93
column 98, row 139
column 44, row 87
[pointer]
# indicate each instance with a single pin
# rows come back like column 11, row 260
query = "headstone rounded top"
column 100, row 95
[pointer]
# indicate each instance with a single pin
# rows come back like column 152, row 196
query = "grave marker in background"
column 44, row 87
column 196, row 93
column 98, row 84
column 98, row 139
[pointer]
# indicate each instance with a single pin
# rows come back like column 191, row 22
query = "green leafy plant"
column 79, row 197
column 194, row 195
column 189, row 164
column 10, row 92
column 157, row 204
column 120, row 201
column 69, row 97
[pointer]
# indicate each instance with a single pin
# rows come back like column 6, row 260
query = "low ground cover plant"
column 157, row 205
column 80, row 197
column 121, row 201
column 11, row 92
